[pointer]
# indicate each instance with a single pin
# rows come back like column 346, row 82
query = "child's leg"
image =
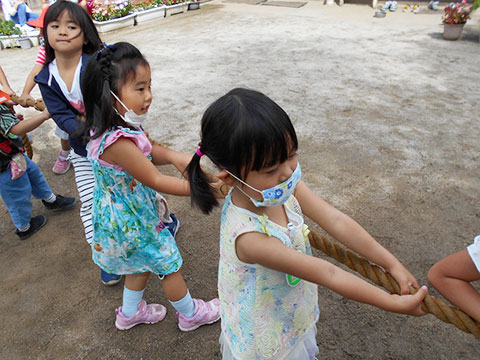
column 39, row 186
column 135, row 310
column 65, row 145
column 191, row 313
column 451, row 276
column 41, row 189
column 85, row 181
column 16, row 195
column 133, row 292
column 62, row 165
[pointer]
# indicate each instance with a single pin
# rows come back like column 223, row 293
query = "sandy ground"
column 387, row 114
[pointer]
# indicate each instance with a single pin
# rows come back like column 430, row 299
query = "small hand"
column 46, row 114
column 404, row 278
column 411, row 304
column 220, row 189
column 19, row 116
column 22, row 100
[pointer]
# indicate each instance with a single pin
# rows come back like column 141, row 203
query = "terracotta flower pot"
column 452, row 31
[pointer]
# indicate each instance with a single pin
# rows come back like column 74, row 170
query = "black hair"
column 242, row 131
column 106, row 72
column 81, row 17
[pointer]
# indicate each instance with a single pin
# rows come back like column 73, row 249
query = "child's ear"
column 226, row 177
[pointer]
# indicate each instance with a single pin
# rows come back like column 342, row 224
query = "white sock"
column 64, row 153
column 51, row 198
column 25, row 228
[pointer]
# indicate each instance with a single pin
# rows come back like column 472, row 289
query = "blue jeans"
column 22, row 16
column 17, row 193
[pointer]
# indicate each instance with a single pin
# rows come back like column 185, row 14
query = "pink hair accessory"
column 199, row 153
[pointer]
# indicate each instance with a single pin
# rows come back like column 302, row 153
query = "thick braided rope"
column 430, row 304
column 437, row 307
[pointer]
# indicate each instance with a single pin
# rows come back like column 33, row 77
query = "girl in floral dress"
column 130, row 236
column 267, row 278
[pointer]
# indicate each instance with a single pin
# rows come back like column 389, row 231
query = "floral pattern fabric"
column 129, row 236
column 263, row 317
column 10, row 144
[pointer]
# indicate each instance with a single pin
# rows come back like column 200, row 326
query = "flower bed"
column 114, row 14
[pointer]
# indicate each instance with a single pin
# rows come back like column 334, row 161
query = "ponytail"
column 201, row 193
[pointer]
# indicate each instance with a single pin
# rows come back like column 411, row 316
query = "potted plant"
column 9, row 33
column 147, row 10
column 455, row 18
column 175, row 7
column 110, row 15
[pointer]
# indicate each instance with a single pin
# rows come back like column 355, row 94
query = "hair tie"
column 199, row 153
column 104, row 47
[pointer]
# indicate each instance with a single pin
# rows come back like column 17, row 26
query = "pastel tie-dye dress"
column 129, row 235
column 265, row 314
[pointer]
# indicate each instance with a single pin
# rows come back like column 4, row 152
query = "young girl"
column 452, row 276
column 70, row 38
column 129, row 235
column 62, row 164
column 267, row 276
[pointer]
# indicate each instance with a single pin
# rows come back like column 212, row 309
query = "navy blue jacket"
column 60, row 109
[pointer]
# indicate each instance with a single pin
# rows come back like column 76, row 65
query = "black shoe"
column 36, row 223
column 62, row 203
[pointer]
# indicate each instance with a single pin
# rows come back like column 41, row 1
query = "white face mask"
column 130, row 117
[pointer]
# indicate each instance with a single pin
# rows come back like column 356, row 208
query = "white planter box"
column 176, row 9
column 150, row 14
column 115, row 24
column 11, row 41
column 193, row 5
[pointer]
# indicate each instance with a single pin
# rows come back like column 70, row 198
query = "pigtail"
column 201, row 193
column 96, row 90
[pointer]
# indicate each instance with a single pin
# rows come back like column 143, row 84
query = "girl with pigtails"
column 129, row 234
column 267, row 276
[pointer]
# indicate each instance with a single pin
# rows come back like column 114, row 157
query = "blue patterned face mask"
column 276, row 195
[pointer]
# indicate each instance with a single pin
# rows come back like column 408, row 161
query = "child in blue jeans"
column 20, row 177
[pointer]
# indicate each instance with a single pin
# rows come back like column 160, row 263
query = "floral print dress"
column 129, row 236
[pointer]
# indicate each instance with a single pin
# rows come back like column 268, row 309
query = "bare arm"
column 162, row 155
column 256, row 248
column 29, row 85
column 28, row 125
column 125, row 153
column 5, row 84
column 351, row 234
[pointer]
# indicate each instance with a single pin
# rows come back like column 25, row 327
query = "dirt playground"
column 387, row 114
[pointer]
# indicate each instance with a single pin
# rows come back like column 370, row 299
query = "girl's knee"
column 434, row 274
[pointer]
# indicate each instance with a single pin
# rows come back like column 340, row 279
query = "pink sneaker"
column 205, row 313
column 146, row 314
column 61, row 165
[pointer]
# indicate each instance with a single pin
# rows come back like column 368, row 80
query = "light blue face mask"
column 276, row 195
